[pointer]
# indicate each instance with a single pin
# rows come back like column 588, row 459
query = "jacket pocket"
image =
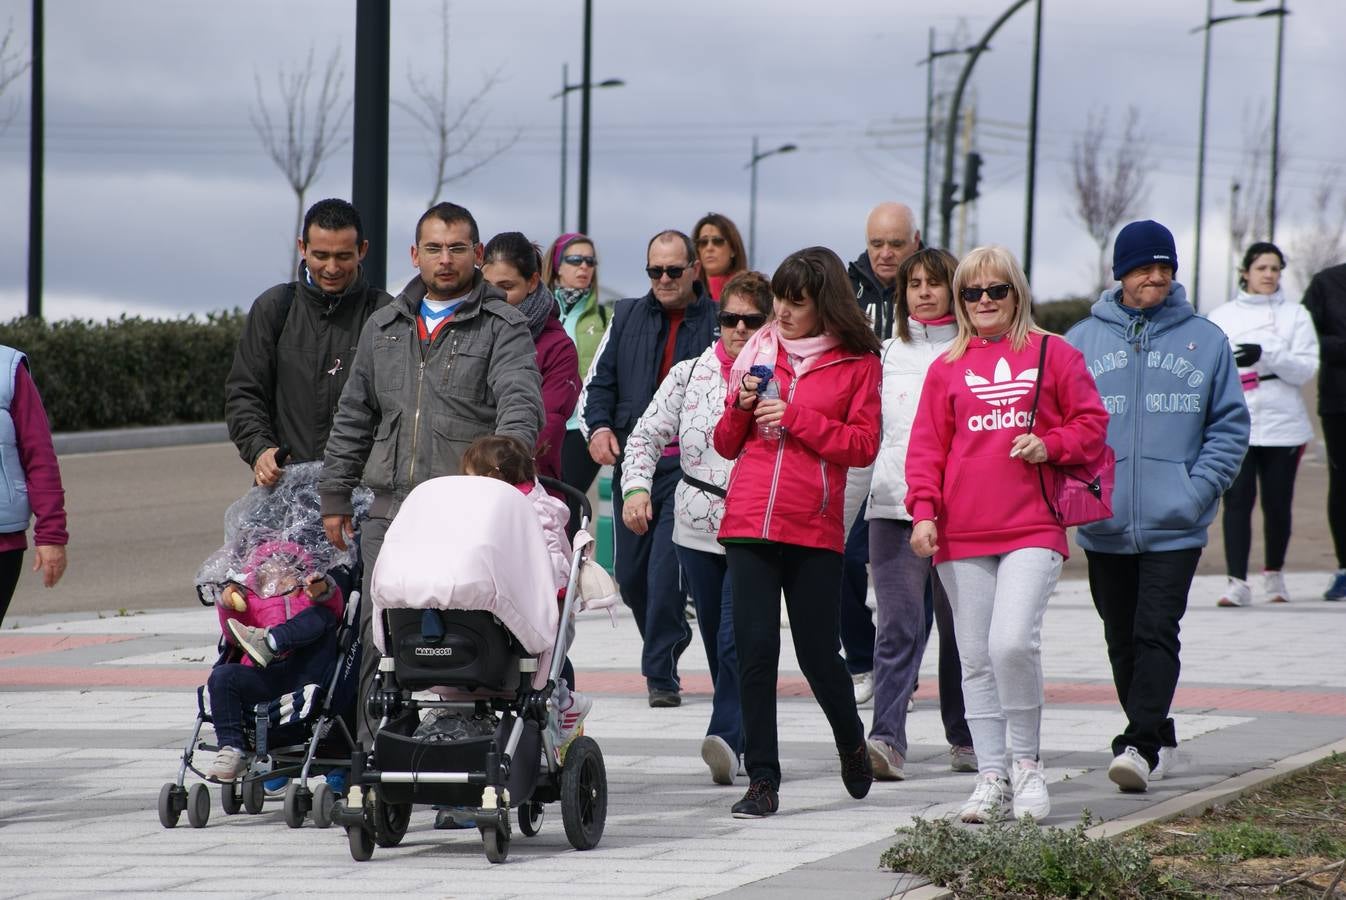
column 465, row 374
column 452, row 436
column 381, row 468
column 390, row 362
column 1167, row 501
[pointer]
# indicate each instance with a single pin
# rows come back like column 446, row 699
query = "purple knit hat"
column 563, row 243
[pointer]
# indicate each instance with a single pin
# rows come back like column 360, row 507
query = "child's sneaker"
column 275, row 787
column 1238, row 593
column 336, row 780
column 1030, row 791
column 571, row 719
column 987, row 801
column 252, row 641
column 1273, row 585
column 228, row 765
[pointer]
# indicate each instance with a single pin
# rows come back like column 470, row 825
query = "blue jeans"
column 310, row 639
column 708, row 581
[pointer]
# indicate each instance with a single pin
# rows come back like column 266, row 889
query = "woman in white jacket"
column 1276, row 349
column 683, row 414
column 925, row 328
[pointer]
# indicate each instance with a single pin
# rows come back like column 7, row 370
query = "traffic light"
column 948, row 198
column 971, row 177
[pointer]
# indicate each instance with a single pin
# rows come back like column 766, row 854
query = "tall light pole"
column 929, row 62
column 752, row 195
column 563, row 93
column 1211, row 21
column 369, row 147
column 1030, row 189
column 36, row 161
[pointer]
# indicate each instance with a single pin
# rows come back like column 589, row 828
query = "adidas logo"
column 1005, row 388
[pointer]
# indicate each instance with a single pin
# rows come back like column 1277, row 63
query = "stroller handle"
column 574, row 498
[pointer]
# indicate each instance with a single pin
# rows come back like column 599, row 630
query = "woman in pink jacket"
column 803, row 407
column 974, row 494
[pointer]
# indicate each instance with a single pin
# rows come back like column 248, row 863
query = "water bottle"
column 770, row 432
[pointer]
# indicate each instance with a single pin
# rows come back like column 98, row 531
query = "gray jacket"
column 410, row 409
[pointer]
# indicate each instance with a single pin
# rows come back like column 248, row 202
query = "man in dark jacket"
column 1326, row 302
column 648, row 335
column 891, row 236
column 298, row 343
column 445, row 363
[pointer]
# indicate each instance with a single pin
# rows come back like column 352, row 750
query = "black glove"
column 1247, row 354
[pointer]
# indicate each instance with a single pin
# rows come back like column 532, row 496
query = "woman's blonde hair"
column 999, row 264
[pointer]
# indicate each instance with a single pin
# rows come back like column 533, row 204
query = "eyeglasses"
column 590, row 261
column 732, row 320
column 996, row 292
column 657, row 273
column 436, row 250
column 708, row 240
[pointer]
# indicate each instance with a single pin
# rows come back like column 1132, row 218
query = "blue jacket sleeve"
column 1225, row 439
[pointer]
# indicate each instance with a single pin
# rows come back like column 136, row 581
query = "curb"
column 1191, row 804
column 71, row 442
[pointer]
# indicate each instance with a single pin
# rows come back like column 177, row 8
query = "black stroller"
column 471, row 655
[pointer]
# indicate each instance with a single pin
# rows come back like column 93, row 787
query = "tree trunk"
column 298, row 227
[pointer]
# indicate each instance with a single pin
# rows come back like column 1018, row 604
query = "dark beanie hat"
column 1140, row 244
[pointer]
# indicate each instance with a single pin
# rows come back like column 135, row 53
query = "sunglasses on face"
column 732, row 320
column 573, row 260
column 656, row 273
column 708, row 241
column 996, row 292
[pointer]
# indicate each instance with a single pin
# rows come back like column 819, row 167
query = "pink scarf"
column 764, row 347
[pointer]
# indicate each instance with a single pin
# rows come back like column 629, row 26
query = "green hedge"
column 1058, row 315
column 129, row 371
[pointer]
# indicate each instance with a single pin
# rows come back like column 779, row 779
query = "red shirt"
column 675, row 317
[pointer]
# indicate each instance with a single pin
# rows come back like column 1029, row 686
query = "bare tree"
column 1248, row 211
column 1322, row 243
column 12, row 65
column 1108, row 187
column 304, row 132
column 452, row 134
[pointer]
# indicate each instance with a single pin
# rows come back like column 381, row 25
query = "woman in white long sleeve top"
column 1276, row 349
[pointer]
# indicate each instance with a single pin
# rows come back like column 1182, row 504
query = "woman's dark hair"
column 1250, row 257
column 738, row 261
column 501, row 457
column 938, row 265
column 751, row 286
column 513, row 248
column 817, row 273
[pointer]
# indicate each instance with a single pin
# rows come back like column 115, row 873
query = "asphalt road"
column 142, row 521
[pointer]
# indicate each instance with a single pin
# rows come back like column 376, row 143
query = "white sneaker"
column 228, row 765
column 864, row 687
column 1030, row 791
column 1238, row 593
column 911, row 704
column 571, row 719
column 1129, row 771
column 1273, row 586
column 987, row 801
column 1167, row 765
column 719, row 756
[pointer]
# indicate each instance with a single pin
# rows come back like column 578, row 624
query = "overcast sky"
column 161, row 201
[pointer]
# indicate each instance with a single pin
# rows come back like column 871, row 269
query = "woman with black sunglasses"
column 720, row 250
column 979, row 508
column 684, row 410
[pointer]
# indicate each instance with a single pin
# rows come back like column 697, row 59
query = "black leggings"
column 1334, row 436
column 1275, row 468
column 11, row 564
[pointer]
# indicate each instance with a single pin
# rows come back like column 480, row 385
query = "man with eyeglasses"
column 447, row 362
column 648, row 335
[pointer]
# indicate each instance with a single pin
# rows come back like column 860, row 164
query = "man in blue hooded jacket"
column 1179, row 428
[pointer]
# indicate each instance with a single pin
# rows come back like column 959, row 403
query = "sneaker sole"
column 743, row 815
column 882, row 770
column 1230, row 604
column 1128, row 779
column 720, row 759
column 247, row 646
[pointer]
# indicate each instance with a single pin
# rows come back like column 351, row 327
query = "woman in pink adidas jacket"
column 974, row 494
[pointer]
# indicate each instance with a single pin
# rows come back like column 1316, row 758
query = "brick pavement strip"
column 93, row 713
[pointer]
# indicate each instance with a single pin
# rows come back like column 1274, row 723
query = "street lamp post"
column 752, row 195
column 929, row 62
column 563, row 93
column 1211, row 21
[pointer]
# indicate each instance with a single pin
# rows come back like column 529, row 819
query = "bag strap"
column 1032, row 417
column 283, row 311
column 705, row 486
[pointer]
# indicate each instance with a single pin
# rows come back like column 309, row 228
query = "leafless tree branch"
column 1108, row 187
column 12, row 66
column 305, row 131
column 1321, row 243
column 452, row 135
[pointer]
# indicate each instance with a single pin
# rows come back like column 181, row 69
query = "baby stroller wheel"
column 324, row 802
column 296, row 804
column 254, row 795
column 390, row 822
column 169, row 810
column 584, row 794
column 198, row 805
column 361, row 841
column 231, row 798
column 531, row 814
column 495, row 840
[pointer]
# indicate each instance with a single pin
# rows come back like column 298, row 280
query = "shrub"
column 128, row 371
column 1058, row 315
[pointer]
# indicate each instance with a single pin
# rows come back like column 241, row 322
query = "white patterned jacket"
column 686, row 407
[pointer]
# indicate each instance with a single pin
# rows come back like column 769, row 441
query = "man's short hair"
column 449, row 213
column 670, row 235
column 333, row 214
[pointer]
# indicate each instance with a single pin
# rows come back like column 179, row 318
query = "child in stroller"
column 465, row 606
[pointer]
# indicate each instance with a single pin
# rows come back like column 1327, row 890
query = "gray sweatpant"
column 998, row 603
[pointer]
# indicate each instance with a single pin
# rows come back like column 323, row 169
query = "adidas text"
column 995, row 421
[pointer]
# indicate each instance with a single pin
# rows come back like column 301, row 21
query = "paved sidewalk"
column 93, row 713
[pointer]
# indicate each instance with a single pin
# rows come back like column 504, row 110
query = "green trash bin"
column 603, row 533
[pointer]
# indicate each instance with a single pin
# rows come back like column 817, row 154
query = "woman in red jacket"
column 974, row 494
column 806, row 410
